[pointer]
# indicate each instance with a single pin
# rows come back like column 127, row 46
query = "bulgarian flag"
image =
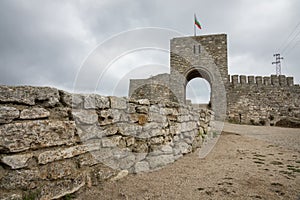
column 197, row 23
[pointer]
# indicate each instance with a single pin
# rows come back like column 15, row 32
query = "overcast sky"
column 49, row 42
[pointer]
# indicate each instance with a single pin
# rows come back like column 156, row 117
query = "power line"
column 284, row 43
column 290, row 42
column 290, row 49
column 278, row 63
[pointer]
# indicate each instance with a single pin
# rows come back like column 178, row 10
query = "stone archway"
column 198, row 72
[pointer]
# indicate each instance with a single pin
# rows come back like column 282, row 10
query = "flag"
column 197, row 23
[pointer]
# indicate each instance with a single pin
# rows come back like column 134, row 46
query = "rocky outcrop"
column 52, row 143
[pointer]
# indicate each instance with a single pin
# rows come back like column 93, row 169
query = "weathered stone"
column 118, row 102
column 57, row 170
column 87, row 132
column 63, row 153
column 36, row 134
column 183, row 147
column 130, row 141
column 58, row 189
column 143, row 102
column 157, row 140
column 127, row 162
column 160, row 161
column 102, row 154
column 142, row 109
column 141, row 167
column 29, row 95
column 111, row 141
column 188, row 126
column 93, row 101
column 112, row 116
column 34, row 113
column 111, row 130
column 11, row 196
column 17, row 161
column 129, row 129
column 7, row 114
column 20, row 179
column 161, row 150
column 151, row 125
column 99, row 174
column 140, row 148
column 157, row 132
column 157, row 117
column 85, row 116
column 120, row 175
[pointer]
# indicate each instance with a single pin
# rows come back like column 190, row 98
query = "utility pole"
column 278, row 63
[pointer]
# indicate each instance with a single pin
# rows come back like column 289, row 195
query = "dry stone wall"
column 52, row 143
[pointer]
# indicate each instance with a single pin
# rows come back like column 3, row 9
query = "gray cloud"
column 46, row 42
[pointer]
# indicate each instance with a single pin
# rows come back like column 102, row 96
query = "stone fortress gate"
column 270, row 100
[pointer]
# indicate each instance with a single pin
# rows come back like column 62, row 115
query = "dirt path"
column 247, row 163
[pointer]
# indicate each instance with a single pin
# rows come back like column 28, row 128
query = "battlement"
column 272, row 80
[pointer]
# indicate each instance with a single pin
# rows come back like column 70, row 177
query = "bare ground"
column 247, row 163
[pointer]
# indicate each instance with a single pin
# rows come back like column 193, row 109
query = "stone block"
column 142, row 109
column 251, row 80
column 85, row 116
column 118, row 102
column 29, row 95
column 127, row 162
column 142, row 166
column 57, row 170
column 36, row 134
column 143, row 102
column 160, row 161
column 8, row 114
column 258, row 80
column 17, row 161
column 182, row 147
column 60, row 188
column 34, row 113
column 93, row 101
column 63, row 153
column 20, row 179
column 129, row 129
column 243, row 79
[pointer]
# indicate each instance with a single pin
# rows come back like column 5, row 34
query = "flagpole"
column 194, row 25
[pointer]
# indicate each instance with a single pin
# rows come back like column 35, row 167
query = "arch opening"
column 198, row 88
column 198, row 91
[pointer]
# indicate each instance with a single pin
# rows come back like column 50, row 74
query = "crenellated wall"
column 270, row 100
column 52, row 143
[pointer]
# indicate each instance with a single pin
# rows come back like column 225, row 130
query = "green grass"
column 31, row 195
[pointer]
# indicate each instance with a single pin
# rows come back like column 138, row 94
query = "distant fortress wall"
column 269, row 100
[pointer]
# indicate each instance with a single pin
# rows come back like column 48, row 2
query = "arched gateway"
column 190, row 57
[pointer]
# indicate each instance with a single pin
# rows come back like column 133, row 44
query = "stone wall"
column 273, row 100
column 52, row 143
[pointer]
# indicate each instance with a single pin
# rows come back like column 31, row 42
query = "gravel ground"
column 247, row 162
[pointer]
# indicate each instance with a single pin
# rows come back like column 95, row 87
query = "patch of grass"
column 31, row 195
column 276, row 163
column 68, row 197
